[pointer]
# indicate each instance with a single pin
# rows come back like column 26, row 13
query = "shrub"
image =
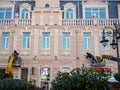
column 80, row 79
column 2, row 74
column 15, row 84
column 117, row 76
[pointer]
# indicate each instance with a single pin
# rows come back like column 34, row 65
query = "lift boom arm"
column 9, row 71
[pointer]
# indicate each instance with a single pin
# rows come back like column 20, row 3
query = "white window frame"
column 95, row 4
column 25, row 14
column 70, row 14
column 26, row 41
column 7, row 40
column 47, row 41
column 5, row 12
column 94, row 12
column 87, row 42
column 67, row 47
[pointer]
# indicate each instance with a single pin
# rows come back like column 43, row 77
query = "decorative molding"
column 72, row 6
column 23, row 6
column 45, row 52
column 66, row 28
column 46, row 28
column 25, row 53
column 65, row 68
column 86, row 28
column 3, row 64
column 66, row 52
column 4, row 52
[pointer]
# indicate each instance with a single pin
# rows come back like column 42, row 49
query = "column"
column 56, row 42
column 96, row 41
column 36, row 42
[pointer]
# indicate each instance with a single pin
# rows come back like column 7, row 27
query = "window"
column 87, row 40
column 107, row 38
column 98, row 12
column 5, row 40
column 26, row 40
column 24, row 74
column 47, row 5
column 66, row 41
column 69, row 13
column 5, row 13
column 46, row 40
column 25, row 13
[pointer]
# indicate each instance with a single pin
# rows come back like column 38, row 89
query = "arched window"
column 25, row 13
column 47, row 5
column 69, row 13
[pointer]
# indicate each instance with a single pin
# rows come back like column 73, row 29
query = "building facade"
column 55, row 35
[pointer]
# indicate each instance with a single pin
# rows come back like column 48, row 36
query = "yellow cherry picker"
column 14, row 61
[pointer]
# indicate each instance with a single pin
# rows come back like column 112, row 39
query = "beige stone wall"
column 47, row 57
column 52, row 3
column 49, row 20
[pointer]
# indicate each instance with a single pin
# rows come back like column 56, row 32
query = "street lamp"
column 115, row 40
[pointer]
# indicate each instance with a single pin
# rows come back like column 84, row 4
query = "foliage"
column 117, row 76
column 2, row 74
column 16, row 84
column 80, row 79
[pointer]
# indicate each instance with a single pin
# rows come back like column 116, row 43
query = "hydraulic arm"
column 14, row 61
column 110, row 57
column 9, row 72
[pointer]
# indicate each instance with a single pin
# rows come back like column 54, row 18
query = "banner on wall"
column 45, row 73
column 101, row 69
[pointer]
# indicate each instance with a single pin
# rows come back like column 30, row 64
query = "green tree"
column 117, row 76
column 2, row 74
column 80, row 79
column 16, row 84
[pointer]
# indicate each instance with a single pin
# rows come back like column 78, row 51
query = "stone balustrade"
column 90, row 22
column 14, row 22
column 65, row 22
column 7, row 22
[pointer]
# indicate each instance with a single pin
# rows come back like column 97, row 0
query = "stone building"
column 55, row 35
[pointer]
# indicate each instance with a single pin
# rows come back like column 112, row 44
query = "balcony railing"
column 65, row 22
column 77, row 22
column 23, row 22
column 7, row 22
column 14, row 22
column 90, row 22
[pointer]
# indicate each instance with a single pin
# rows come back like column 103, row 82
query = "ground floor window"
column 24, row 74
column 45, row 77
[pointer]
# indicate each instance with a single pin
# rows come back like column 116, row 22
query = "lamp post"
column 115, row 40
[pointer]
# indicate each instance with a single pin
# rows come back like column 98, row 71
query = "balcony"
column 14, row 22
column 90, row 22
column 65, row 22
